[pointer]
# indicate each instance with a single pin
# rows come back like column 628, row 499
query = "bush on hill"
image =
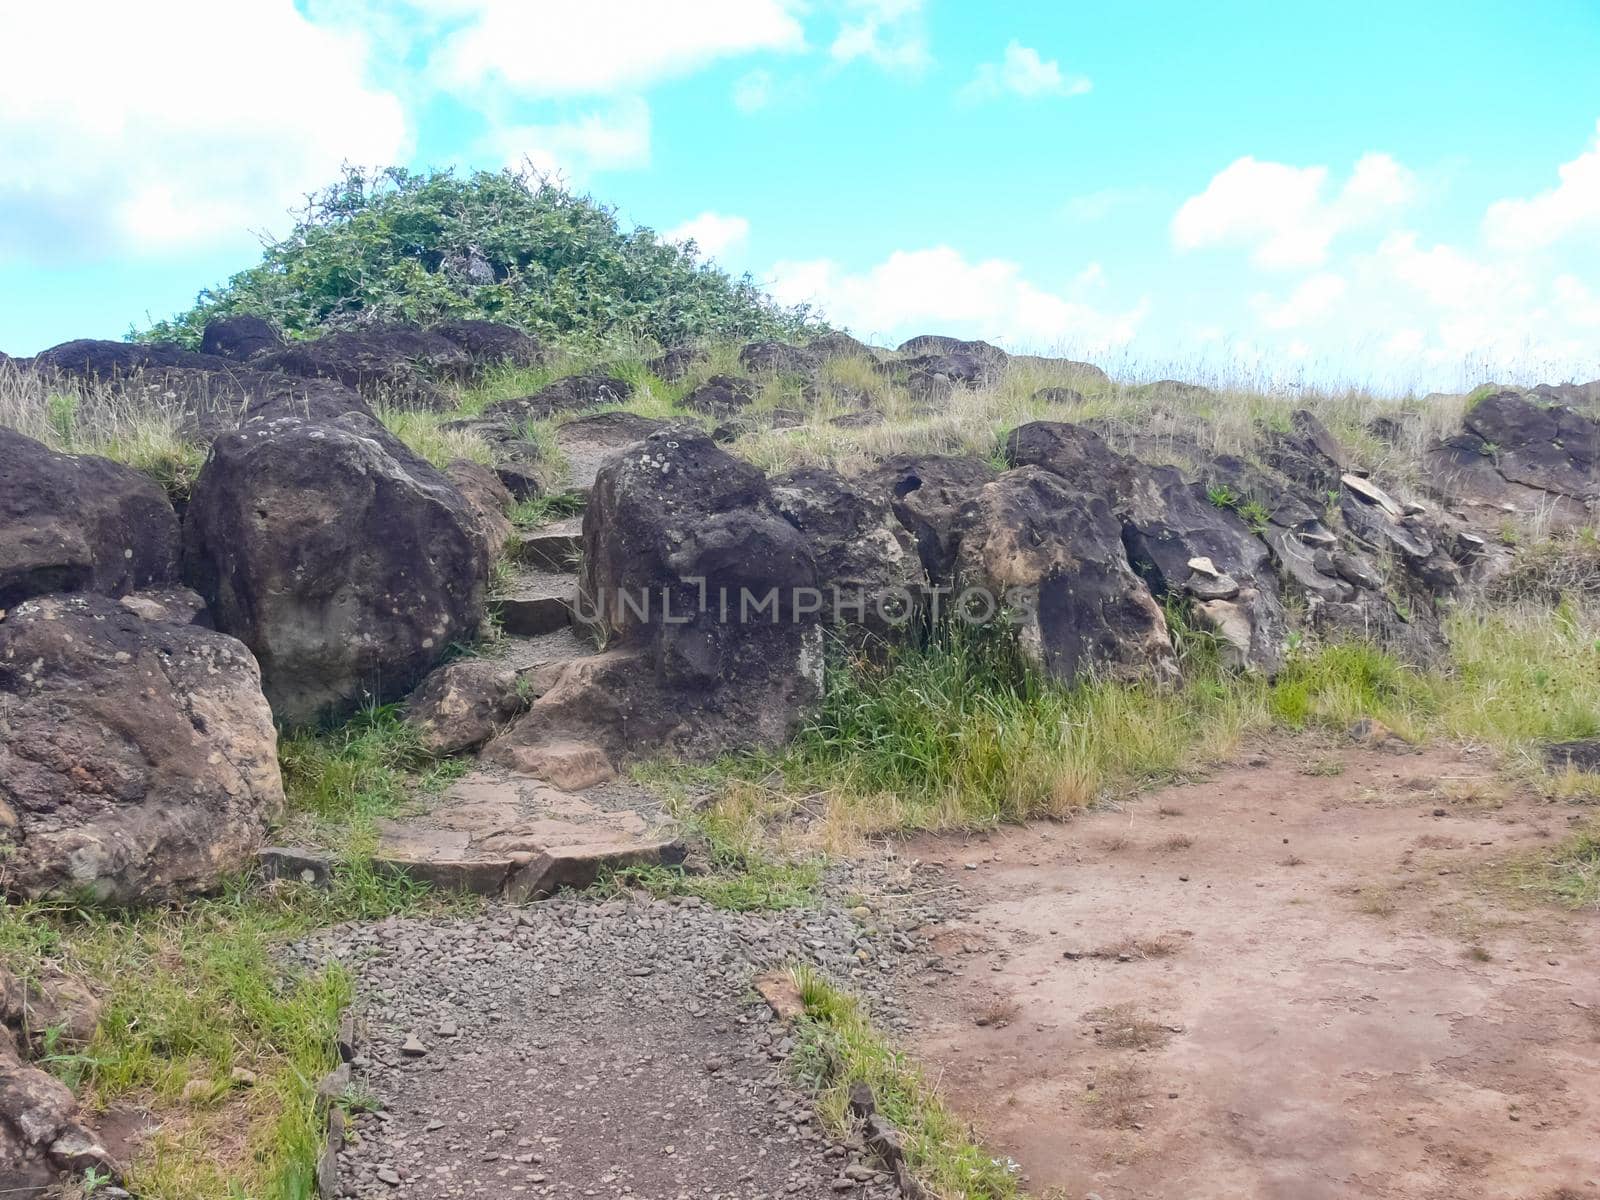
column 507, row 246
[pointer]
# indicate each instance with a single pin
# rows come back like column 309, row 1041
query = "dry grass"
column 1124, row 1027
column 1117, row 1095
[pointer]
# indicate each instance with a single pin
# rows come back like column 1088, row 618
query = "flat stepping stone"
column 552, row 547
column 536, row 602
column 520, row 839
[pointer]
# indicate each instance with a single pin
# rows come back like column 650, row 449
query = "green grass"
column 191, row 992
column 836, row 1046
column 194, row 990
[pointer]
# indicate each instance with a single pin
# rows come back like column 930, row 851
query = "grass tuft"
column 836, row 1046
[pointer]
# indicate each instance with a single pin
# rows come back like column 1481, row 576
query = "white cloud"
column 713, row 233
column 889, row 33
column 753, row 91
column 1021, row 72
column 1280, row 212
column 178, row 127
column 1572, row 206
column 558, row 48
column 610, row 139
column 1308, row 302
column 914, row 291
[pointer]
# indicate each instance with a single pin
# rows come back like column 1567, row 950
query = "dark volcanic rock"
column 489, row 500
column 721, row 396
column 91, row 358
column 778, row 358
column 867, row 563
column 345, row 562
column 79, row 523
column 837, row 344
column 138, row 759
column 395, row 364
column 709, row 602
column 927, row 492
column 572, row 393
column 672, row 365
column 1052, row 555
column 240, row 338
column 935, row 344
column 489, row 343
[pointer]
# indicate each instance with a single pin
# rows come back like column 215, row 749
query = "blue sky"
column 1347, row 193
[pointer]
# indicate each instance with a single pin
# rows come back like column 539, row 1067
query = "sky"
column 1397, row 195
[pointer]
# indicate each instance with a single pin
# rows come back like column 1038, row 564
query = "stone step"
column 520, row 839
column 536, row 602
column 552, row 547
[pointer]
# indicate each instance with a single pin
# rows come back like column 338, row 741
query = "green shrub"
column 507, row 246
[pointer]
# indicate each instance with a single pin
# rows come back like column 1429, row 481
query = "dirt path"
column 1274, row 984
column 591, row 1047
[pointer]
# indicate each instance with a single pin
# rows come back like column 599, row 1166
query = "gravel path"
column 610, row 1048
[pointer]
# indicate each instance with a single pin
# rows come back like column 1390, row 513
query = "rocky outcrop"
column 926, row 492
column 79, row 523
column 868, row 568
column 488, row 343
column 1523, row 456
column 345, row 562
column 708, row 602
column 395, row 364
column 1049, row 556
column 778, row 358
column 240, row 338
column 93, row 358
column 934, row 344
column 42, row 1134
column 1181, row 545
column 672, row 365
column 138, row 759
column 462, row 704
column 572, row 393
column 721, row 396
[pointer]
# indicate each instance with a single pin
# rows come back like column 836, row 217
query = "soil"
column 1302, row 979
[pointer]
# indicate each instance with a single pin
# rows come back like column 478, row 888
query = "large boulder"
column 571, row 393
column 79, row 523
column 1049, row 555
column 489, row 500
column 939, row 344
column 721, row 396
column 867, row 563
column 673, row 364
column 926, row 492
column 240, row 338
column 393, row 364
column 138, row 759
column 778, row 358
column 489, row 343
column 345, row 562
column 708, row 602
column 94, row 358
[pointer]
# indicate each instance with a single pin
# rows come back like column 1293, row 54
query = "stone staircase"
column 521, row 830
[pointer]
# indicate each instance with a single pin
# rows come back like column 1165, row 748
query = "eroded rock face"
column 489, row 500
column 926, row 492
column 138, row 759
column 708, row 601
column 1522, row 455
column 1181, row 545
column 489, row 343
column 240, row 338
column 345, row 562
column 572, row 393
column 1052, row 554
column 778, row 358
column 79, row 523
column 396, row 364
column 867, row 563
column 462, row 704
column 94, row 358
